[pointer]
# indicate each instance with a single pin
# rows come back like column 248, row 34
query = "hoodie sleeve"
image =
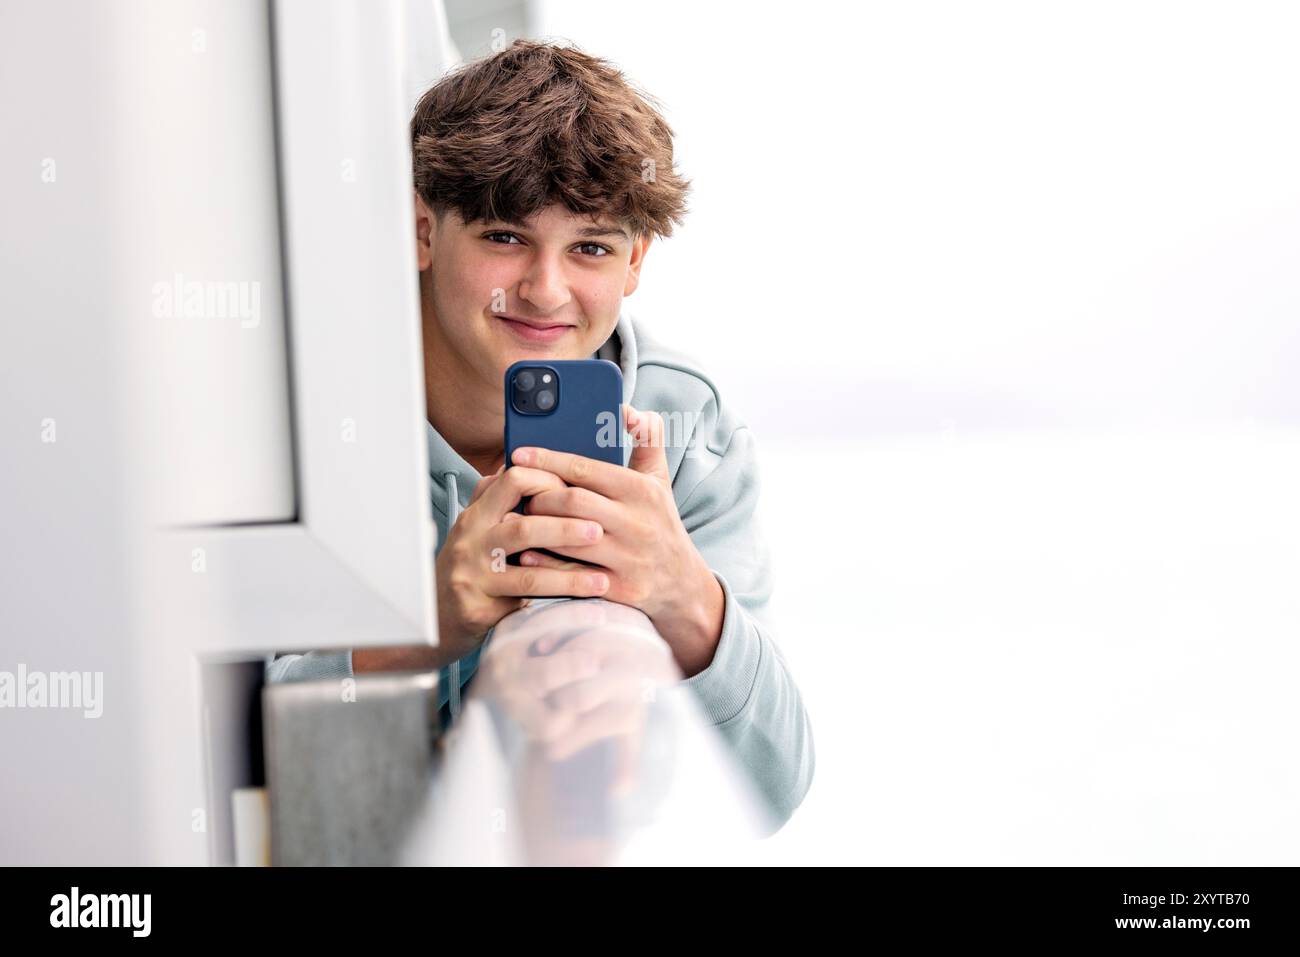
column 313, row 664
column 747, row 690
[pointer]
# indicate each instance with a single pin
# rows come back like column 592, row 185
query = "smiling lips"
column 535, row 332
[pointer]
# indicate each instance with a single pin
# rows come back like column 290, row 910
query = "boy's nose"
column 544, row 286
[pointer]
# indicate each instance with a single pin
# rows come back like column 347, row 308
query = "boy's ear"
column 640, row 246
column 425, row 223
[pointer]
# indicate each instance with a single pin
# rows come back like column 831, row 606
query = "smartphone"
column 568, row 405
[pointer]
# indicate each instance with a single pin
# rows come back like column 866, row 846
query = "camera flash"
column 546, row 377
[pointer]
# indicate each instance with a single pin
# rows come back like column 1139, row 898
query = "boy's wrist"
column 693, row 627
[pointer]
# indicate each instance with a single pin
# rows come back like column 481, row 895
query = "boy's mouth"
column 535, row 331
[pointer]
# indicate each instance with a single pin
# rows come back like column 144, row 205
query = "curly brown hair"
column 505, row 136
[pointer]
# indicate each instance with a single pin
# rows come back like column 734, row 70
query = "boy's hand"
column 645, row 549
column 476, row 587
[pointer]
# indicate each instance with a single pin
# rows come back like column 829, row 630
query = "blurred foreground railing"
column 576, row 744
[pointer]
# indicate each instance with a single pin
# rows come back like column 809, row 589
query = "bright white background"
column 1009, row 293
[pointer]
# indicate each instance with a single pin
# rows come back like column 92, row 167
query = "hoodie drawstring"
column 453, row 669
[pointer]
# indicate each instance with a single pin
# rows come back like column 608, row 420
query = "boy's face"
column 497, row 293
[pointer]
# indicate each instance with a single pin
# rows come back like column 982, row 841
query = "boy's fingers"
column 543, row 531
column 578, row 502
column 532, row 559
column 484, row 483
column 514, row 484
column 649, row 457
column 610, row 480
column 518, row 582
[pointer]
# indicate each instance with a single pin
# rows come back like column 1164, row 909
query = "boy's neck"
column 464, row 410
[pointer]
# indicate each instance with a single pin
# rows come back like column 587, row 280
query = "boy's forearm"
column 401, row 658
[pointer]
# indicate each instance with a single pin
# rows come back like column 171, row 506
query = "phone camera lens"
column 545, row 400
column 525, row 381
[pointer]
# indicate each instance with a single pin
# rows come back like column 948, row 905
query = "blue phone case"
column 586, row 420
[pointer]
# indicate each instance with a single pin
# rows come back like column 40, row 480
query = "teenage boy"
column 541, row 179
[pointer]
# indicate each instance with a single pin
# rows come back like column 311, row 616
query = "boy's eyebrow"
column 594, row 231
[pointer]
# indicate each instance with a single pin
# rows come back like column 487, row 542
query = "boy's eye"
column 503, row 238
column 593, row 249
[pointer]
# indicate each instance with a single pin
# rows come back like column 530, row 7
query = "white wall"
column 1008, row 292
column 1002, row 213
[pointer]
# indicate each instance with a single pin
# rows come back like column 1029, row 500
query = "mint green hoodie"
column 747, row 691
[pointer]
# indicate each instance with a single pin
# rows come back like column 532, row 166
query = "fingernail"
column 591, row 531
column 527, row 558
column 523, row 456
column 598, row 582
